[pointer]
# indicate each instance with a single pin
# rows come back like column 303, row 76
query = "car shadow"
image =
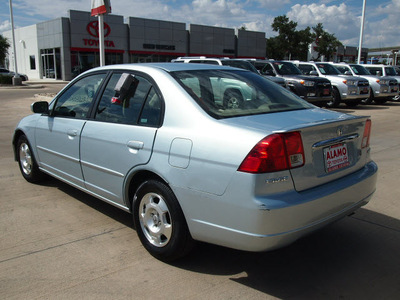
column 113, row 212
column 361, row 107
column 354, row 258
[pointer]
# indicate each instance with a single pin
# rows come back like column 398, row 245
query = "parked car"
column 348, row 89
column 236, row 63
column 384, row 70
column 157, row 140
column 397, row 69
column 382, row 88
column 316, row 90
column 6, row 72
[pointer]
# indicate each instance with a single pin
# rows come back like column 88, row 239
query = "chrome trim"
column 67, row 157
column 334, row 141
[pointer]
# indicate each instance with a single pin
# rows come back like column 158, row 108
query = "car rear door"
column 120, row 137
column 58, row 134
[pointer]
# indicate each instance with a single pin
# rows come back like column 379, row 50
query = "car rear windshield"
column 232, row 93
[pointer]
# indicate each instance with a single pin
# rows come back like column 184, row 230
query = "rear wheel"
column 159, row 221
column 335, row 99
column 26, row 161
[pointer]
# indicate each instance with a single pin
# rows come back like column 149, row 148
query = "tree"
column 289, row 43
column 326, row 43
column 4, row 45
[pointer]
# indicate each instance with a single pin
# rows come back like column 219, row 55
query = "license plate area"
column 326, row 92
column 336, row 157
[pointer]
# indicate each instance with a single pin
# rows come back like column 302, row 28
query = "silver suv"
column 384, row 70
column 236, row 63
column 382, row 88
column 349, row 89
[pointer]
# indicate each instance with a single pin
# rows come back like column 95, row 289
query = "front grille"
column 363, row 83
column 392, row 82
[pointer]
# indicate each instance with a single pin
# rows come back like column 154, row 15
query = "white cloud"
column 273, row 4
column 5, row 25
column 380, row 29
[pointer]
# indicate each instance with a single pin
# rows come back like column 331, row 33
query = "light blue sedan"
column 200, row 153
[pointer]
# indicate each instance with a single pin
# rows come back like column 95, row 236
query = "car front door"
column 58, row 134
column 120, row 137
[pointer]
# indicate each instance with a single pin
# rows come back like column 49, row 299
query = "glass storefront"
column 146, row 58
column 51, row 63
column 83, row 61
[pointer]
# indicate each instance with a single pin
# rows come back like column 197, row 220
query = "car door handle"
column 72, row 132
column 135, row 145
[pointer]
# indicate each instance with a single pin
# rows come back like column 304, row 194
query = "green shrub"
column 5, row 79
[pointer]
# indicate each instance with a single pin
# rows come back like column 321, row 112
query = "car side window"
column 267, row 70
column 75, row 102
column 140, row 106
column 151, row 114
column 306, row 69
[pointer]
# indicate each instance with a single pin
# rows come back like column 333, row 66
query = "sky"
column 341, row 18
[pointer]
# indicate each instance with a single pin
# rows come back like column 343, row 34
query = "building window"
column 32, row 61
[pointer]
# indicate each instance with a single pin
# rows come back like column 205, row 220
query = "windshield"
column 390, row 71
column 286, row 68
column 231, row 93
column 328, row 69
column 359, row 70
column 240, row 64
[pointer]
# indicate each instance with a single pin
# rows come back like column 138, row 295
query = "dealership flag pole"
column 99, row 9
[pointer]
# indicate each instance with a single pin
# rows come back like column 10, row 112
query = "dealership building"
column 64, row 47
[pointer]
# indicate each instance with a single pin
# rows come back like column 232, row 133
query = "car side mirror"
column 314, row 73
column 40, row 107
column 378, row 73
column 348, row 73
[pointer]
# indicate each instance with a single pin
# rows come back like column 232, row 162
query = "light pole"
column 16, row 79
column 361, row 32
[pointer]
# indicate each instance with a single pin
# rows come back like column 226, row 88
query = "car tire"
column 370, row 99
column 27, row 162
column 335, row 99
column 160, row 223
column 232, row 99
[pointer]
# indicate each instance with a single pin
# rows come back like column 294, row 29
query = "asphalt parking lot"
column 59, row 243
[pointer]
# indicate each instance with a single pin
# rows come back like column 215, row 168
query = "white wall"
column 26, row 45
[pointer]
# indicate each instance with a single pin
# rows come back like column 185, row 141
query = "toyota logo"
column 93, row 29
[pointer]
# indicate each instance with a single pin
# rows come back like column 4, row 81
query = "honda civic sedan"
column 200, row 153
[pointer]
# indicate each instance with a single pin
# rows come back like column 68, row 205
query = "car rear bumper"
column 277, row 220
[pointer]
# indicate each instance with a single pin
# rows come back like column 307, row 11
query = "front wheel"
column 336, row 99
column 159, row 221
column 26, row 161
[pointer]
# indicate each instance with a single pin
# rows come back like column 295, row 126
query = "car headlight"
column 307, row 83
column 384, row 82
column 351, row 82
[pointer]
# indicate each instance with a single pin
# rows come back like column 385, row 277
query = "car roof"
column 167, row 66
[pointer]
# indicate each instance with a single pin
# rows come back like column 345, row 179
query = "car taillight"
column 276, row 152
column 367, row 134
